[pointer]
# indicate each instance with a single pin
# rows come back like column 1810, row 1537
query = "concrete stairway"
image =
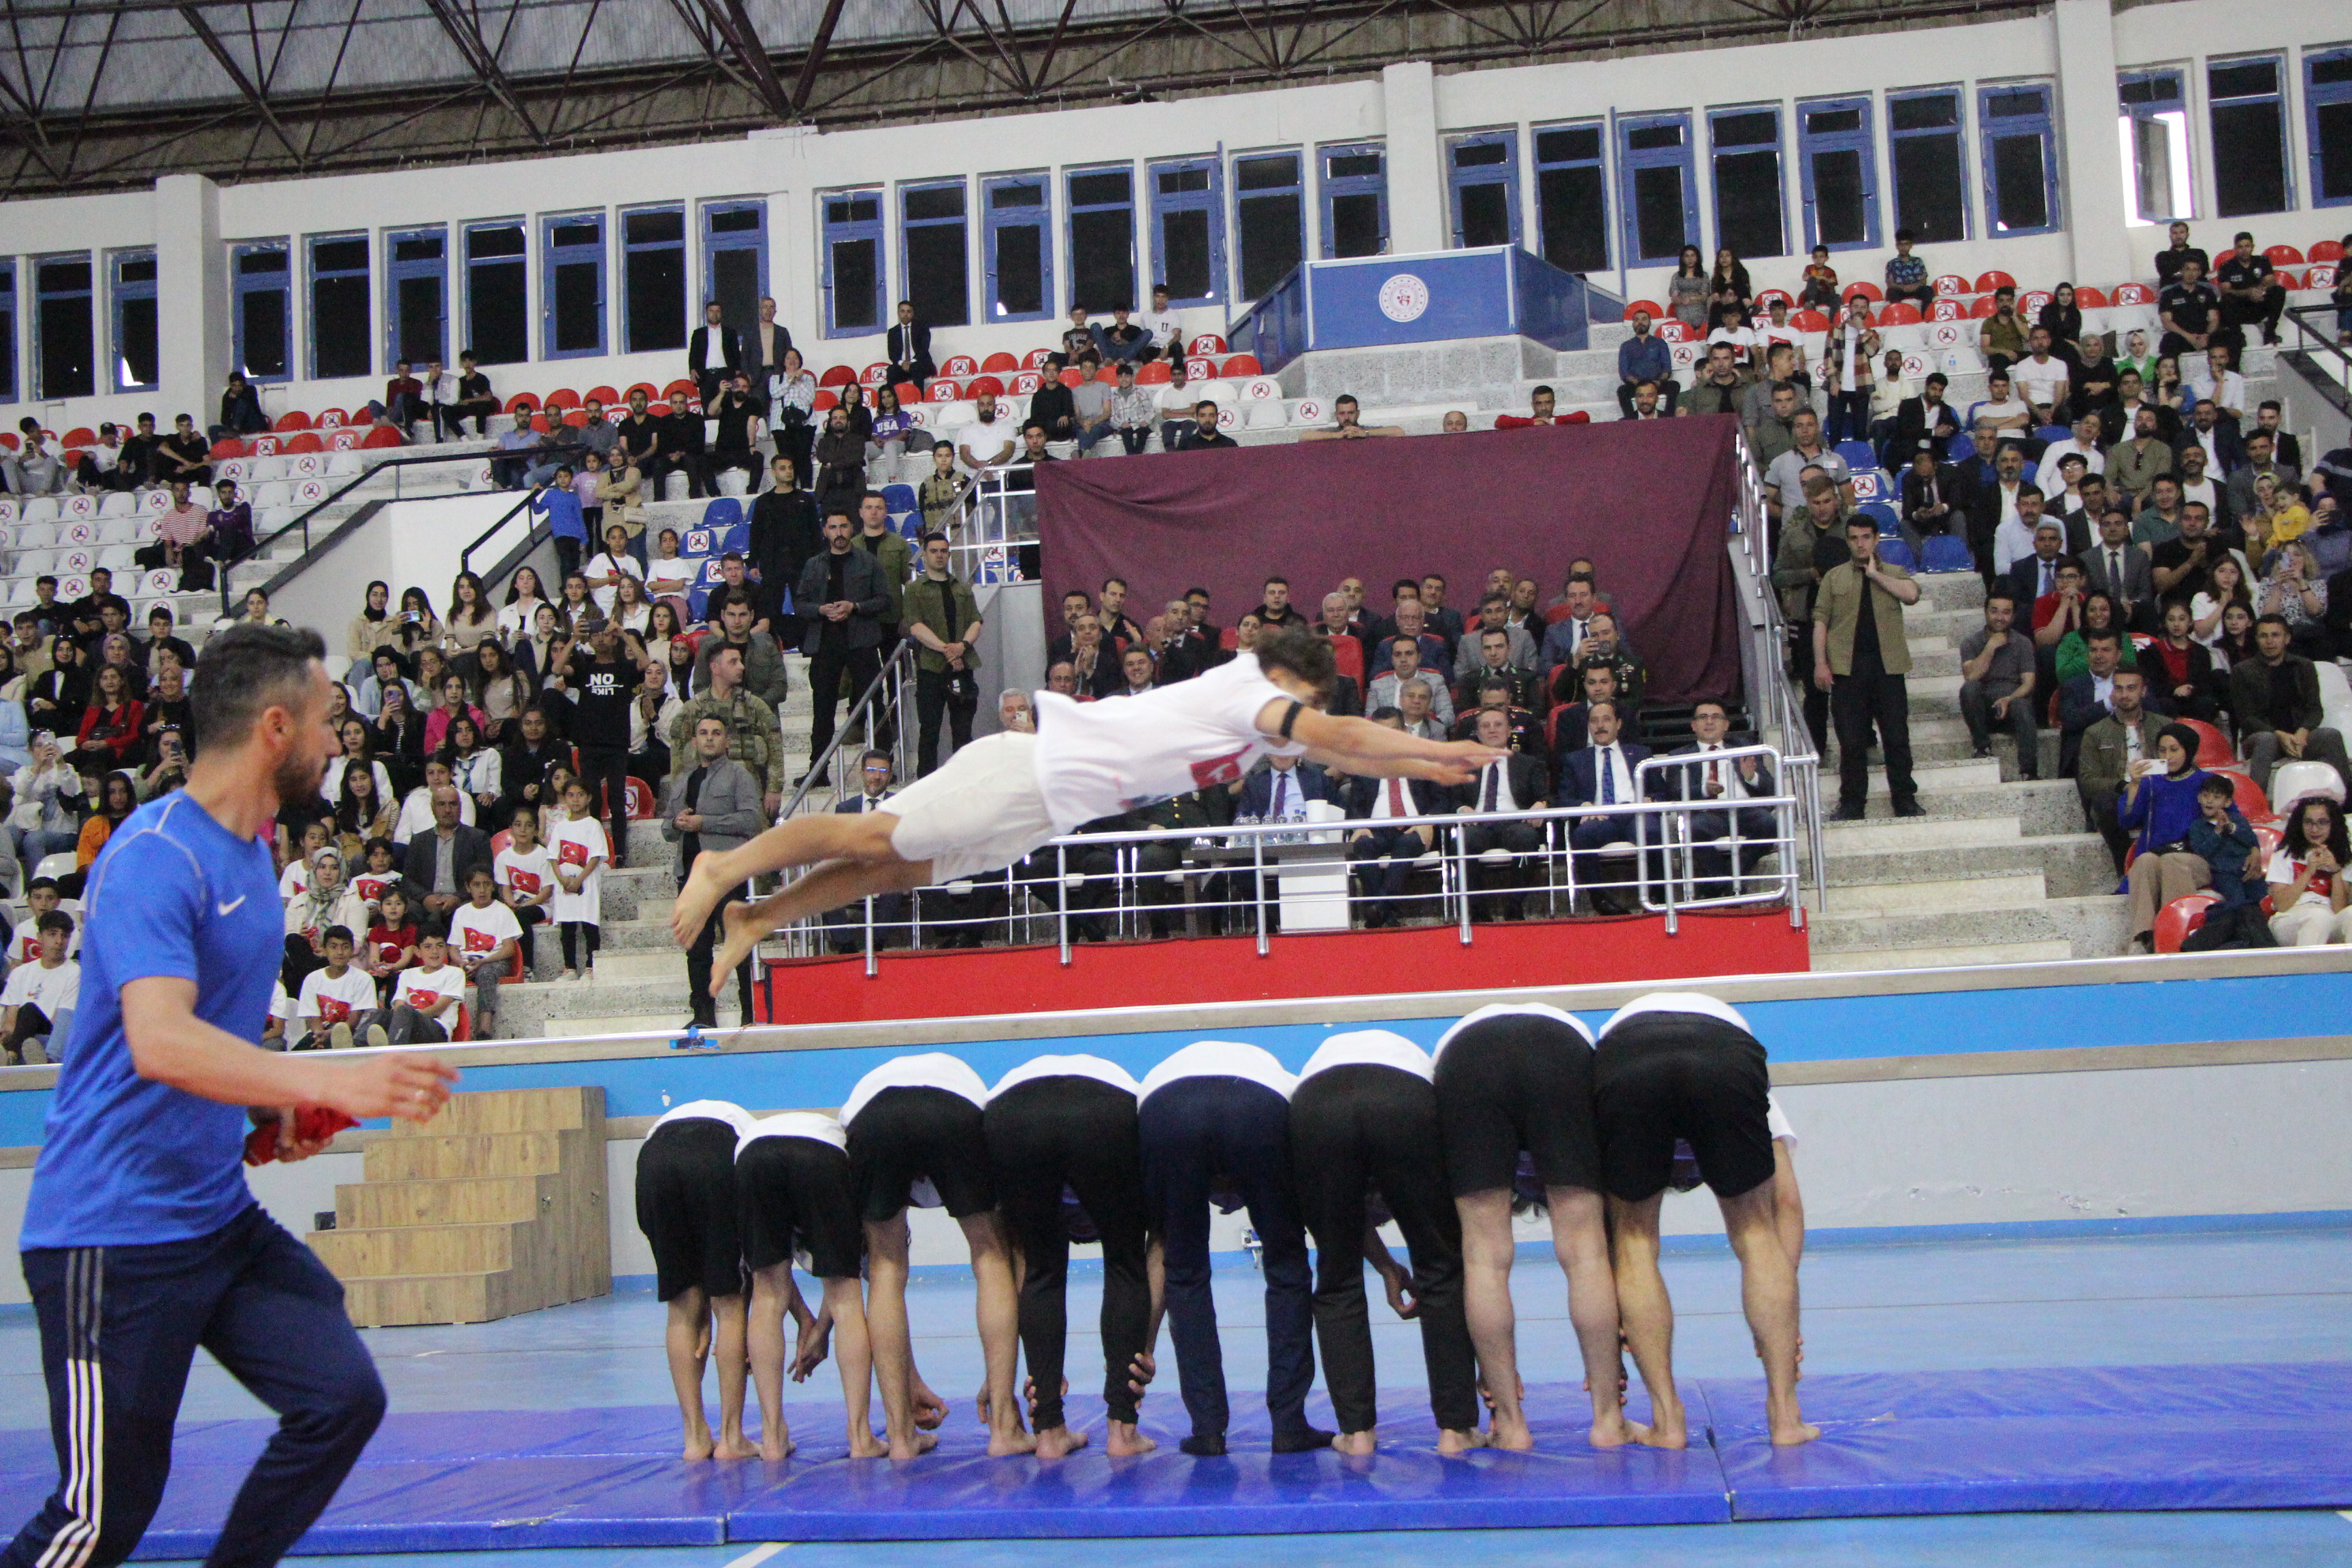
column 495, row 1207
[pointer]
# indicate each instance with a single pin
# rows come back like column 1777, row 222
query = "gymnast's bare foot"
column 777, row 1445
column 1789, row 1428
column 742, row 935
column 1124, row 1441
column 699, row 1443
column 1460, row 1441
column 1356, row 1442
column 692, row 907
column 1668, row 1428
column 1056, row 1441
column 1511, row 1432
column 743, row 1448
column 1615, row 1431
column 914, row 1447
column 865, row 1445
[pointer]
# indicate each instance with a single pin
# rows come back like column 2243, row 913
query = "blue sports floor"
column 2243, row 1297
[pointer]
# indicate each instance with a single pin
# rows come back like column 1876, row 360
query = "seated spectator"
column 1644, row 357
column 240, row 410
column 1595, row 683
column 1093, row 666
column 1906, row 275
column 403, row 401
column 1605, row 646
column 1202, row 435
column 2294, row 591
column 1542, row 405
column 1997, row 683
column 2307, row 884
column 1601, row 773
column 1515, row 783
column 474, row 399
column 1818, row 287
column 1751, row 778
column 2001, row 337
column 1405, row 652
column 228, row 528
column 109, row 735
column 1493, row 693
column 2030, row 553
column 518, row 449
column 1416, row 703
column 2275, row 697
column 1491, row 653
column 1280, row 787
column 2072, row 653
column 1275, row 610
column 987, row 443
column 2181, row 668
column 2160, row 803
column 1934, row 500
column 1570, row 622
column 38, row 1005
column 457, row 702
column 1411, row 620
column 2222, row 838
column 1347, row 421
column 1134, row 411
column 1380, row 851
column 47, row 819
column 2040, row 377
column 181, row 541
column 181, row 455
column 2010, row 413
column 2090, row 697
column 2250, row 291
column 845, row 927
column 1719, row 388
column 37, row 468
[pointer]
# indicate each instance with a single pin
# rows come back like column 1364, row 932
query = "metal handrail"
column 1781, row 705
column 465, row 556
column 894, row 668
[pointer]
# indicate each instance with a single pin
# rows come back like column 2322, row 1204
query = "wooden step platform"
column 495, row 1207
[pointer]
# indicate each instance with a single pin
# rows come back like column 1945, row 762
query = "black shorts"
column 1662, row 1076
column 905, row 1134
column 686, row 1206
column 1517, row 1080
column 795, row 1194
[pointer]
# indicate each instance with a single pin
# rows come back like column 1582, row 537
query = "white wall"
column 792, row 168
column 405, row 542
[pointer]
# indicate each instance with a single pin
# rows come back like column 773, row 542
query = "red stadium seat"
column 381, row 435
column 1153, row 373
column 1674, row 330
column 2213, row 748
column 1241, row 365
column 960, row 366
column 1950, row 284
column 1809, row 320
column 1902, row 313
column 2289, row 278
column 2283, row 256
column 1947, row 311
column 836, row 375
column 641, row 800
column 2248, row 797
column 603, row 395
column 307, row 441
column 538, row 423
column 1107, row 375
column 943, row 390
column 575, row 417
column 999, row 362
column 1765, row 297
column 826, row 398
column 562, row 397
column 1983, row 307
column 1035, row 359
column 1657, row 311
column 2327, row 250
column 1230, row 639
column 227, row 446
column 1348, row 654
column 2090, row 298
column 1863, row 291
column 907, row 392
column 988, row 384
column 81, row 435
column 682, row 384
column 2133, row 294
column 2029, row 303
column 1072, row 375
column 521, row 400
column 652, row 394
column 292, row 419
column 2183, row 915
column 265, row 446
column 1207, row 343
column 1988, row 281
column 331, row 419
column 873, row 374
column 8, row 439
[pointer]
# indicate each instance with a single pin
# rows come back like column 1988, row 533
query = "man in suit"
column 1282, row 787
column 1381, row 852
column 1598, row 683
column 2091, row 697
column 909, row 345
column 1493, row 647
column 2121, row 570
column 714, row 804
column 1751, row 778
column 841, row 596
column 1471, row 661
column 2286, row 448
column 2123, row 737
column 1516, row 783
column 714, row 353
column 1925, row 419
column 1403, row 664
column 437, row 861
column 1602, row 775
column 763, row 349
column 2028, row 580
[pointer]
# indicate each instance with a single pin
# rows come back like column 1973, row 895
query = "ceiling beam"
column 818, row 44
column 484, row 62
column 733, row 22
column 202, row 29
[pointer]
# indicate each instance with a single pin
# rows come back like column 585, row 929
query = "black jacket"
column 911, row 346
column 472, row 849
column 729, row 345
column 862, row 583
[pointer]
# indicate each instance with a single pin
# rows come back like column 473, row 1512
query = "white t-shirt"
column 1220, row 1058
column 1161, row 325
column 334, row 1001
column 421, row 988
column 28, row 943
column 372, row 886
column 1503, row 1009
column 1739, row 338
column 1369, row 1048
column 734, row 1115
column 1769, row 333
column 295, row 879
column 2048, row 476
column 926, row 1070
column 476, row 932
column 281, row 1006
column 1094, row 1067
column 2285, row 868
column 977, row 444
column 604, row 565
column 578, row 844
column 1100, row 759
column 813, row 1124
column 514, row 620
column 1677, row 1001
column 1999, row 412
column 51, row 990
column 1180, row 400
column 2039, row 382
column 529, row 874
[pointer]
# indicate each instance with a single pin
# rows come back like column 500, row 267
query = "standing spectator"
column 785, row 533
column 897, row 558
column 602, row 683
column 942, row 616
column 713, row 806
column 840, row 455
column 2275, row 697
column 1643, row 357
column 753, row 736
column 1997, row 682
column 1861, row 659
column 843, row 595
column 1906, row 275
column 764, row 662
column 579, row 848
column 2161, row 803
column 792, row 410
column 555, row 506
column 714, row 353
column 764, row 347
column 2308, row 887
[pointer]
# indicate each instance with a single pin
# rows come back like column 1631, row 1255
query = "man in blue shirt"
column 1906, row 275
column 1644, row 357
column 141, row 1239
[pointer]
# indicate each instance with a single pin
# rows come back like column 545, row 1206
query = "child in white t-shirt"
column 39, row 996
column 526, row 880
column 40, row 898
column 483, row 937
column 337, row 1000
column 426, row 1000
column 281, row 1016
column 581, row 850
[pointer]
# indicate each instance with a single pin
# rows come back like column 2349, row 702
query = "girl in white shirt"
column 604, row 571
column 526, row 880
column 581, row 850
column 523, row 598
column 631, row 611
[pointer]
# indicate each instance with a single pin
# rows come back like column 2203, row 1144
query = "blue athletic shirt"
column 126, row 1162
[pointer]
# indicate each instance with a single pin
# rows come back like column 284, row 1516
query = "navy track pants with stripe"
column 120, row 1328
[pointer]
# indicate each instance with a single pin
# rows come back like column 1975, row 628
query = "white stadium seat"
column 1265, row 413
column 342, row 465
column 119, row 503
column 270, row 493
column 40, row 509
column 264, row 468
column 118, row 557
column 1223, row 393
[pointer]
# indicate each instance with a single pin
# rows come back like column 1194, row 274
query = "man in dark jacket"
column 437, row 861
column 785, row 533
column 1517, row 783
column 715, row 805
column 908, row 345
column 842, row 597
column 713, row 354
column 2275, row 699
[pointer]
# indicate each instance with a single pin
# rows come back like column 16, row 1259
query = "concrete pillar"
column 192, row 304
column 1417, row 219
column 2092, row 161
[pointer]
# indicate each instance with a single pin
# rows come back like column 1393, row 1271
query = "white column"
column 192, row 307
column 2090, row 157
column 1416, row 177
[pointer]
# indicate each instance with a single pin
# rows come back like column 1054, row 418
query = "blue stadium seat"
column 725, row 512
column 1945, row 553
column 1895, row 553
column 900, row 497
column 2048, row 433
column 1858, row 455
column 1881, row 514
column 1961, row 449
column 907, row 525
column 696, row 600
column 1873, row 483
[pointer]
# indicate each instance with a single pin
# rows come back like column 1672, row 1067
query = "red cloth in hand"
column 312, row 1124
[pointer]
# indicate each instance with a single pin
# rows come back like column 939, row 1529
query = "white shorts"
column 1776, row 1121
column 981, row 812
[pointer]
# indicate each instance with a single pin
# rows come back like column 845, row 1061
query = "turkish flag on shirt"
column 420, row 1000
column 28, row 947
column 371, row 888
column 332, row 1010
column 571, row 852
column 525, row 882
column 478, row 941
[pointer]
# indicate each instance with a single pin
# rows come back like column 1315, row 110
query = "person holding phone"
column 1861, row 659
column 2161, row 801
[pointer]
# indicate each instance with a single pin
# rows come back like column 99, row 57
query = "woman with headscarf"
column 326, row 900
column 370, row 629
column 59, row 695
column 116, row 650
column 2160, row 804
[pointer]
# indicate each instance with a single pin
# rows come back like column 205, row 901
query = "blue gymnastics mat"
column 1918, row 1443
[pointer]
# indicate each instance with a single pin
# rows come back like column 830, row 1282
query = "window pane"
column 936, row 281
column 656, row 293
column 1575, row 218
column 339, row 322
column 261, row 263
column 1265, row 173
column 1831, row 122
column 1185, row 252
column 735, row 284
column 1176, row 182
column 264, row 349
column 1094, row 190
column 2017, row 186
column 2334, row 151
column 339, row 255
column 854, row 282
column 1573, row 145
column 1838, row 209
column 1747, row 202
column 1658, row 211
column 1924, row 113
column 140, row 363
column 1927, row 187
column 575, row 307
column 1755, row 129
column 736, row 220
column 2152, row 167
column 419, row 305
column 482, row 244
column 1020, row 269
column 1355, row 225
column 1354, row 166
column 1486, row 214
column 2246, row 79
column 2249, row 158
column 658, row 226
column 1271, row 234
column 1017, row 196
column 565, row 234
column 1102, row 257
column 142, row 270
column 66, row 369
column 1479, row 154
column 416, row 249
column 938, row 201
column 1654, row 138
column 2010, row 105
column 494, row 327
column 64, row 277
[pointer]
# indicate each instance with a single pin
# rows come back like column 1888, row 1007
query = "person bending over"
column 686, row 1206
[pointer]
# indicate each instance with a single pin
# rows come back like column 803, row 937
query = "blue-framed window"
column 735, row 261
column 130, row 281
column 652, row 278
column 1928, row 150
column 1102, row 237
column 497, row 282
column 1188, row 230
column 2246, row 100
column 571, row 285
column 2327, row 104
column 1839, row 159
column 935, row 250
column 262, row 278
column 7, row 329
column 1355, row 199
column 1745, row 147
column 1654, row 188
column 2021, row 158
column 1018, row 242
column 64, row 352
column 341, row 331
column 1482, row 175
column 1269, row 220
column 416, row 296
column 1572, row 196
column 2152, row 123
column 854, row 281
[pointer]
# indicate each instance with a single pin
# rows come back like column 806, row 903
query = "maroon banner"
column 1649, row 502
